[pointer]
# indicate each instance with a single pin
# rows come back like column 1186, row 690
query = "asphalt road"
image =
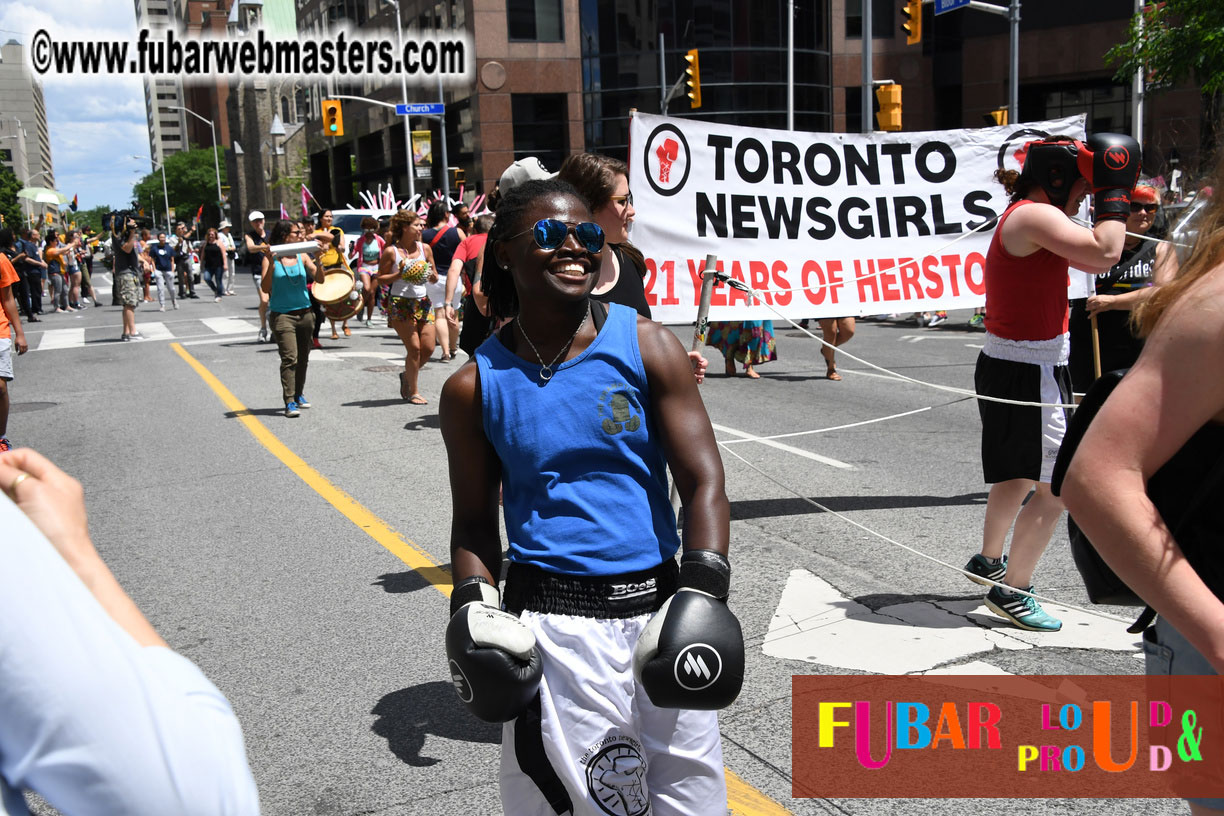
column 328, row 644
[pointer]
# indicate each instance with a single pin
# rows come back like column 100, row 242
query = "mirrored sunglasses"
column 1136, row 206
column 549, row 233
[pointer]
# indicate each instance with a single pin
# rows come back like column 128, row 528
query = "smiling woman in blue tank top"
column 576, row 410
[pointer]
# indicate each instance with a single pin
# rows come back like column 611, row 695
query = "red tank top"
column 1026, row 298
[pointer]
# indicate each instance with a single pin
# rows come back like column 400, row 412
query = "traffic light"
column 458, row 176
column 694, row 78
column 889, row 115
column 333, row 119
column 996, row 117
column 912, row 12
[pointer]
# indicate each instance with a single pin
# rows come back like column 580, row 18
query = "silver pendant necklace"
column 546, row 371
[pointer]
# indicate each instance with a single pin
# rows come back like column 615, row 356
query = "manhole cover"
column 18, row 407
column 383, row 369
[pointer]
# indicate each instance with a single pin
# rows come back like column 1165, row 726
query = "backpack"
column 1101, row 582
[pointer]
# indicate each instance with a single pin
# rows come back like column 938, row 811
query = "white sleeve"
column 92, row 721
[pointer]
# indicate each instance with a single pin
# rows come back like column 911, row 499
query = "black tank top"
column 628, row 289
column 1193, row 508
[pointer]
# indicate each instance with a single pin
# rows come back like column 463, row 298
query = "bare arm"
column 475, row 476
column 1041, row 226
column 386, row 266
column 1156, row 408
column 9, row 304
column 1164, row 270
column 452, row 278
column 265, row 280
column 429, row 257
column 478, row 295
column 688, row 438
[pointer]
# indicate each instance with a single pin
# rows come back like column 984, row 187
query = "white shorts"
column 598, row 741
column 6, row 358
column 437, row 293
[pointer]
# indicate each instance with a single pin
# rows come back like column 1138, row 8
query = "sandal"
column 751, row 373
column 334, row 335
column 832, row 374
column 417, row 399
column 348, row 332
column 404, row 385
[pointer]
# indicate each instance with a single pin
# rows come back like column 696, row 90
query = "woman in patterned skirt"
column 750, row 342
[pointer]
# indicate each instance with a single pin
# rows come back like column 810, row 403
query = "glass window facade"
column 541, row 127
column 742, row 45
column 534, row 20
column 1107, row 105
column 885, row 19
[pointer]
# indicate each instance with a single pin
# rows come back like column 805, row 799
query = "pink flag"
column 284, row 213
column 305, row 209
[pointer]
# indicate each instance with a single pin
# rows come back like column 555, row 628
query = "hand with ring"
column 53, row 501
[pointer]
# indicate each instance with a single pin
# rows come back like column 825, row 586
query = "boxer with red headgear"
column 1025, row 355
column 1145, row 265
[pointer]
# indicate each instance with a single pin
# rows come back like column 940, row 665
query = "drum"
column 347, row 308
column 337, row 283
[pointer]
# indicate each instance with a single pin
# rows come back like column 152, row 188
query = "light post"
column 399, row 30
column 216, row 163
column 156, row 164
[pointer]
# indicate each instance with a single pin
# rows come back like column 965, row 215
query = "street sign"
column 421, row 109
column 942, row 6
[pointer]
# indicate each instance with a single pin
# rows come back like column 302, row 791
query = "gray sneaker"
column 979, row 568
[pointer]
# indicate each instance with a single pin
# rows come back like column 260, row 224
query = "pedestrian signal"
column 693, row 71
column 996, row 117
column 912, row 12
column 333, row 118
column 889, row 115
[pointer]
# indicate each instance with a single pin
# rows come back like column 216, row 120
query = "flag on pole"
column 199, row 213
column 284, row 213
column 305, row 209
column 74, row 204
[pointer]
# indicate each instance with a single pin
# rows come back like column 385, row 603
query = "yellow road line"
column 742, row 798
column 404, row 549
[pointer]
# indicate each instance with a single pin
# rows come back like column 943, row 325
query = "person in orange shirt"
column 8, row 337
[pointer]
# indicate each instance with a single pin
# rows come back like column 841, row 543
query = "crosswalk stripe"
column 62, row 338
column 155, row 331
column 227, row 325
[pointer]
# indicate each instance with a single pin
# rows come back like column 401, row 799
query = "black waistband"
column 625, row 595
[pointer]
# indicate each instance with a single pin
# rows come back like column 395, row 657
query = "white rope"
column 919, row 553
column 1088, row 224
column 843, row 427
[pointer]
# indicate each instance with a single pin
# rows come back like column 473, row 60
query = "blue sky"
column 96, row 124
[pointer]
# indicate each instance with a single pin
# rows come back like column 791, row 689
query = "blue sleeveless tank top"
column 289, row 292
column 584, row 480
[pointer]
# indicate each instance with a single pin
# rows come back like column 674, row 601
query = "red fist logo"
column 667, row 153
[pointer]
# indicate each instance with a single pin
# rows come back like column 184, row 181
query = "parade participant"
column 254, row 239
column 836, row 331
column 368, row 251
column 460, row 283
column 334, row 254
column 227, row 243
column 214, row 264
column 97, row 714
column 1148, row 457
column 127, row 276
column 284, row 282
column 406, row 266
column 72, row 268
column 162, row 256
column 1144, row 266
column 750, row 342
column 146, row 264
column 182, row 261
column 36, row 270
column 443, row 239
column 18, row 255
column 463, row 217
column 12, row 336
column 1026, row 347
column 568, row 390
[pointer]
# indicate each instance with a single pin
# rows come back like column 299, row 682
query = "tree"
column 1174, row 42
column 191, row 181
column 10, row 206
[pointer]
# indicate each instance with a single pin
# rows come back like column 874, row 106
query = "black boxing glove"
column 1111, row 162
column 691, row 653
column 494, row 663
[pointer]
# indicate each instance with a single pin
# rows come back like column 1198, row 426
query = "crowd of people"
column 569, row 376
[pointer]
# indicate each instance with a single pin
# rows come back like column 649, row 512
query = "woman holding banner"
column 1022, row 369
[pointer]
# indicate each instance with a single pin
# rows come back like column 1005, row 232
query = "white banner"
column 822, row 224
